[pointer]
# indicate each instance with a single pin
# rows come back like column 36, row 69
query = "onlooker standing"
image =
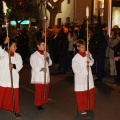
column 112, row 43
column 98, row 45
column 70, row 48
column 117, row 58
column 54, row 46
column 63, row 51
column 31, row 42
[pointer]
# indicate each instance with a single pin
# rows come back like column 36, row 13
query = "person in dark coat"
column 98, row 47
column 82, row 31
column 39, row 33
column 23, row 45
column 54, row 45
column 63, row 51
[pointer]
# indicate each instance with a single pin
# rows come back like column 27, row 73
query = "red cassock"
column 39, row 94
column 6, row 99
column 82, row 100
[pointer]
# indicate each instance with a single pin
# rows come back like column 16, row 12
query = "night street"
column 60, row 60
column 62, row 104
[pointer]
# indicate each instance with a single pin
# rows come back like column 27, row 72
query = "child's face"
column 81, row 48
column 41, row 46
column 118, row 37
column 13, row 47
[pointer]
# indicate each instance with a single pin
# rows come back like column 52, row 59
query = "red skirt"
column 39, row 94
column 82, row 100
column 6, row 99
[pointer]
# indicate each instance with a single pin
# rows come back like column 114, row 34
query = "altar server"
column 38, row 73
column 80, row 69
column 6, row 96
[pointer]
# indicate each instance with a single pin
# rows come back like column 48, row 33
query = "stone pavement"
column 62, row 103
column 30, row 112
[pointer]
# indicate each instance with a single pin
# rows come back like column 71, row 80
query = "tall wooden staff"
column 45, row 18
column 11, row 77
column 88, row 92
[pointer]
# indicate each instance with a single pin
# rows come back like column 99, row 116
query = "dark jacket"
column 117, row 50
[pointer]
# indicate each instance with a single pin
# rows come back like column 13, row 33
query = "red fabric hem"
column 39, row 94
column 82, row 100
column 6, row 99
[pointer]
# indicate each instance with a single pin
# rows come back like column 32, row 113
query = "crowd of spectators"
column 61, row 46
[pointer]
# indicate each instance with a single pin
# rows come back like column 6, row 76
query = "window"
column 59, row 22
column 25, row 22
column 68, row 1
column 98, row 4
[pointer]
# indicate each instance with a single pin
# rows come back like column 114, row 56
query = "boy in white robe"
column 80, row 69
column 6, row 96
column 38, row 74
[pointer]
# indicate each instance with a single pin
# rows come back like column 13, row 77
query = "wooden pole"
column 45, row 18
column 11, row 77
column 88, row 91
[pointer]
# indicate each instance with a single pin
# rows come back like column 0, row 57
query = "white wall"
column 79, row 13
column 67, row 10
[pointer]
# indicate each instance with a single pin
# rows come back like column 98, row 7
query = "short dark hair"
column 12, row 41
column 38, row 42
column 80, row 42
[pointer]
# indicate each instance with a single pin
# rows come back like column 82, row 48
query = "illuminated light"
column 116, row 16
column 12, row 22
column 20, row 3
column 3, row 26
column 25, row 22
column 4, row 8
column 87, row 11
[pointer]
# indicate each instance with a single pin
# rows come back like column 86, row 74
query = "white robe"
column 37, row 63
column 5, row 79
column 79, row 64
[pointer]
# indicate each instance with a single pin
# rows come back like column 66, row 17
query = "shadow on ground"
column 104, row 88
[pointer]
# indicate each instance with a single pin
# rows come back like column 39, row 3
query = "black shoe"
column 17, row 115
column 90, row 112
column 40, row 108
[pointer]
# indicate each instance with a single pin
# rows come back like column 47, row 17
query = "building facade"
column 75, row 11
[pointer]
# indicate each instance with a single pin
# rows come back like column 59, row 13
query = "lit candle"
column 4, row 7
column 87, row 11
